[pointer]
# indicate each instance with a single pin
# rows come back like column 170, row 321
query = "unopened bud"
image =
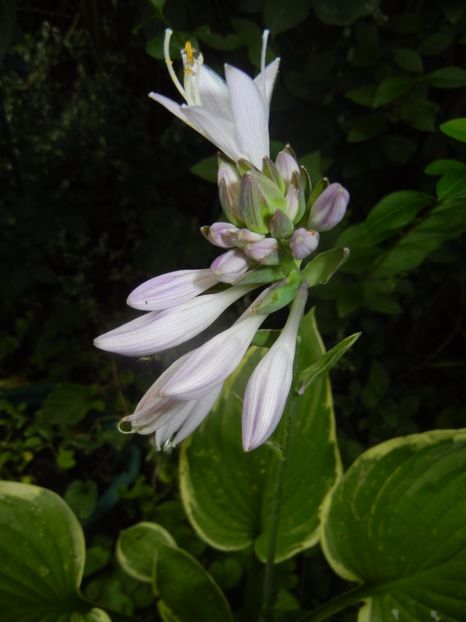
column 286, row 164
column 295, row 200
column 219, row 234
column 329, row 208
column 230, row 266
column 280, row 225
column 271, row 171
column 241, row 237
column 303, row 242
column 264, row 252
column 259, row 198
column 228, row 186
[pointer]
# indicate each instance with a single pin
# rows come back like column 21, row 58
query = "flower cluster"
column 273, row 221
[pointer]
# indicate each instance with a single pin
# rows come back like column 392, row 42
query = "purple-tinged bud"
column 286, row 164
column 219, row 234
column 230, row 266
column 303, row 243
column 259, row 198
column 295, row 200
column 280, row 225
column 229, row 182
column 329, row 208
column 264, row 252
column 241, row 237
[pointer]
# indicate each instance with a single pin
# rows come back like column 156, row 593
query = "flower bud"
column 241, row 237
column 271, row 171
column 303, row 243
column 286, row 164
column 329, row 208
column 259, row 198
column 228, row 187
column 230, row 266
column 264, row 252
column 280, row 225
column 219, row 234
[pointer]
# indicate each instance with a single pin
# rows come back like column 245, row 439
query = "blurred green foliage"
column 96, row 197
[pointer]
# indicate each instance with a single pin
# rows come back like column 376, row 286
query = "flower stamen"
column 169, row 63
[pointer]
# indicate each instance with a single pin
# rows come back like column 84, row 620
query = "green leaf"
column 43, row 556
column 453, row 10
column 419, row 114
column 320, row 270
column 447, row 220
column 363, row 95
column 280, row 17
column 67, row 404
column 448, row 77
column 81, row 496
column 436, row 43
column 281, row 295
column 452, row 185
column 266, row 337
column 206, row 169
column 340, row 13
column 365, row 128
column 396, row 524
column 409, row 60
column 226, row 43
column 187, row 590
column 137, row 548
column 7, row 25
column 456, row 128
column 439, row 167
column 326, row 362
column 227, row 493
column 394, row 212
column 392, row 88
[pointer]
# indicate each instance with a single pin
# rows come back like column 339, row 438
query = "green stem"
column 290, row 424
column 268, row 590
column 335, row 605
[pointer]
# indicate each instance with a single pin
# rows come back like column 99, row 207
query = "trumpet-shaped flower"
column 269, row 385
column 171, row 289
column 158, row 330
column 232, row 114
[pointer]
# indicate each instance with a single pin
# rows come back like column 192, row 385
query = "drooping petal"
column 270, row 74
column 250, row 115
column 266, row 394
column 157, row 331
column 217, row 129
column 213, row 93
column 198, row 413
column 270, row 383
column 212, row 362
column 170, row 289
column 172, row 107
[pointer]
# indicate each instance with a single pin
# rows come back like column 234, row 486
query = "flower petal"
column 212, row 362
column 270, row 74
column 217, row 129
column 213, row 93
column 266, row 394
column 157, row 331
column 172, row 107
column 250, row 113
column 170, row 289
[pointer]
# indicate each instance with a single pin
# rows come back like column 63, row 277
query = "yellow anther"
column 189, row 51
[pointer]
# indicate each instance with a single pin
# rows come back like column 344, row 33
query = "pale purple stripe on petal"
column 171, row 289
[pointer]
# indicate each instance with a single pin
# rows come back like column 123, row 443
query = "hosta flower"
column 232, row 113
column 270, row 383
column 183, row 395
column 158, row 330
column 329, row 208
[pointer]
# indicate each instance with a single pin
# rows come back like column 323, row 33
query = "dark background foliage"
column 97, row 196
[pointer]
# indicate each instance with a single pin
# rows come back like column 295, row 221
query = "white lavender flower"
column 269, row 385
column 234, row 114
